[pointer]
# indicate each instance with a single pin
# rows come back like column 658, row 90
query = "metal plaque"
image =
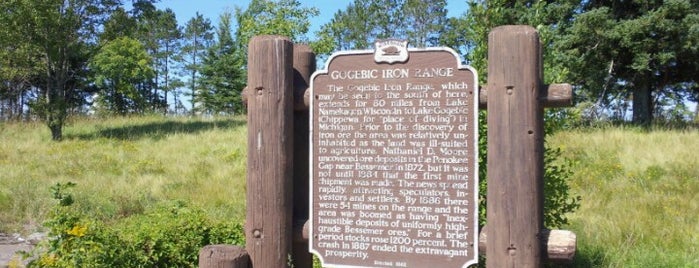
column 394, row 164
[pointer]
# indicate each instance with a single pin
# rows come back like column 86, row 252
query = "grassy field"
column 123, row 166
column 639, row 188
column 640, row 196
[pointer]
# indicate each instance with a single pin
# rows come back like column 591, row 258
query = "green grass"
column 123, row 166
column 639, row 188
column 640, row 196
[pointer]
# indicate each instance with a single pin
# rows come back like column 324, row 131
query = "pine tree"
column 638, row 50
column 222, row 76
column 197, row 38
column 364, row 21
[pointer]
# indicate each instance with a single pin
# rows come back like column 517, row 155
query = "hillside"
column 122, row 166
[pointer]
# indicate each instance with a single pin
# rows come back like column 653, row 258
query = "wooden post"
column 304, row 66
column 515, row 148
column 223, row 256
column 269, row 176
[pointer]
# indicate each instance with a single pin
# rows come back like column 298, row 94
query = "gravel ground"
column 11, row 244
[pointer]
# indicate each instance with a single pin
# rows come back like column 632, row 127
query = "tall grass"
column 640, row 196
column 639, row 188
column 123, row 166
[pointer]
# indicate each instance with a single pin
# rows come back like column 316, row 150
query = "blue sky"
column 186, row 9
column 211, row 9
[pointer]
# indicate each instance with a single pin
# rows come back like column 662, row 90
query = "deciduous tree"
column 20, row 68
column 120, row 67
column 61, row 32
column 275, row 17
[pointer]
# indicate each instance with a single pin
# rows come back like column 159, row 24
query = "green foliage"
column 58, row 192
column 426, row 21
column 223, row 78
column 168, row 236
column 482, row 167
column 19, row 68
column 197, row 37
column 119, row 68
column 272, row 17
column 61, row 34
column 162, row 35
column 639, row 51
column 473, row 29
column 119, row 24
column 559, row 202
column 549, row 18
column 422, row 23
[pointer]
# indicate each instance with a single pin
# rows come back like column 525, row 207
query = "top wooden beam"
column 552, row 96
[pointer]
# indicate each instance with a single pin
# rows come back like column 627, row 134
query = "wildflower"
column 47, row 260
column 77, row 230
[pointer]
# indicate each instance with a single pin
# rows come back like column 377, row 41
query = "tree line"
column 634, row 60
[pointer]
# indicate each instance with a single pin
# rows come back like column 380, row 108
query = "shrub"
column 167, row 236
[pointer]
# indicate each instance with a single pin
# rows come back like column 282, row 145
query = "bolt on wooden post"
column 515, row 148
column 270, row 151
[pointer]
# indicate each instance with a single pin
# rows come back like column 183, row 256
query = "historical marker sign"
column 394, row 159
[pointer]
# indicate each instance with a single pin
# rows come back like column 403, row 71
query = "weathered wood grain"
column 304, row 66
column 270, row 151
column 551, row 96
column 515, row 148
column 559, row 245
column 223, row 256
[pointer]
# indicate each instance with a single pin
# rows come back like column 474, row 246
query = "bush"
column 167, row 236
